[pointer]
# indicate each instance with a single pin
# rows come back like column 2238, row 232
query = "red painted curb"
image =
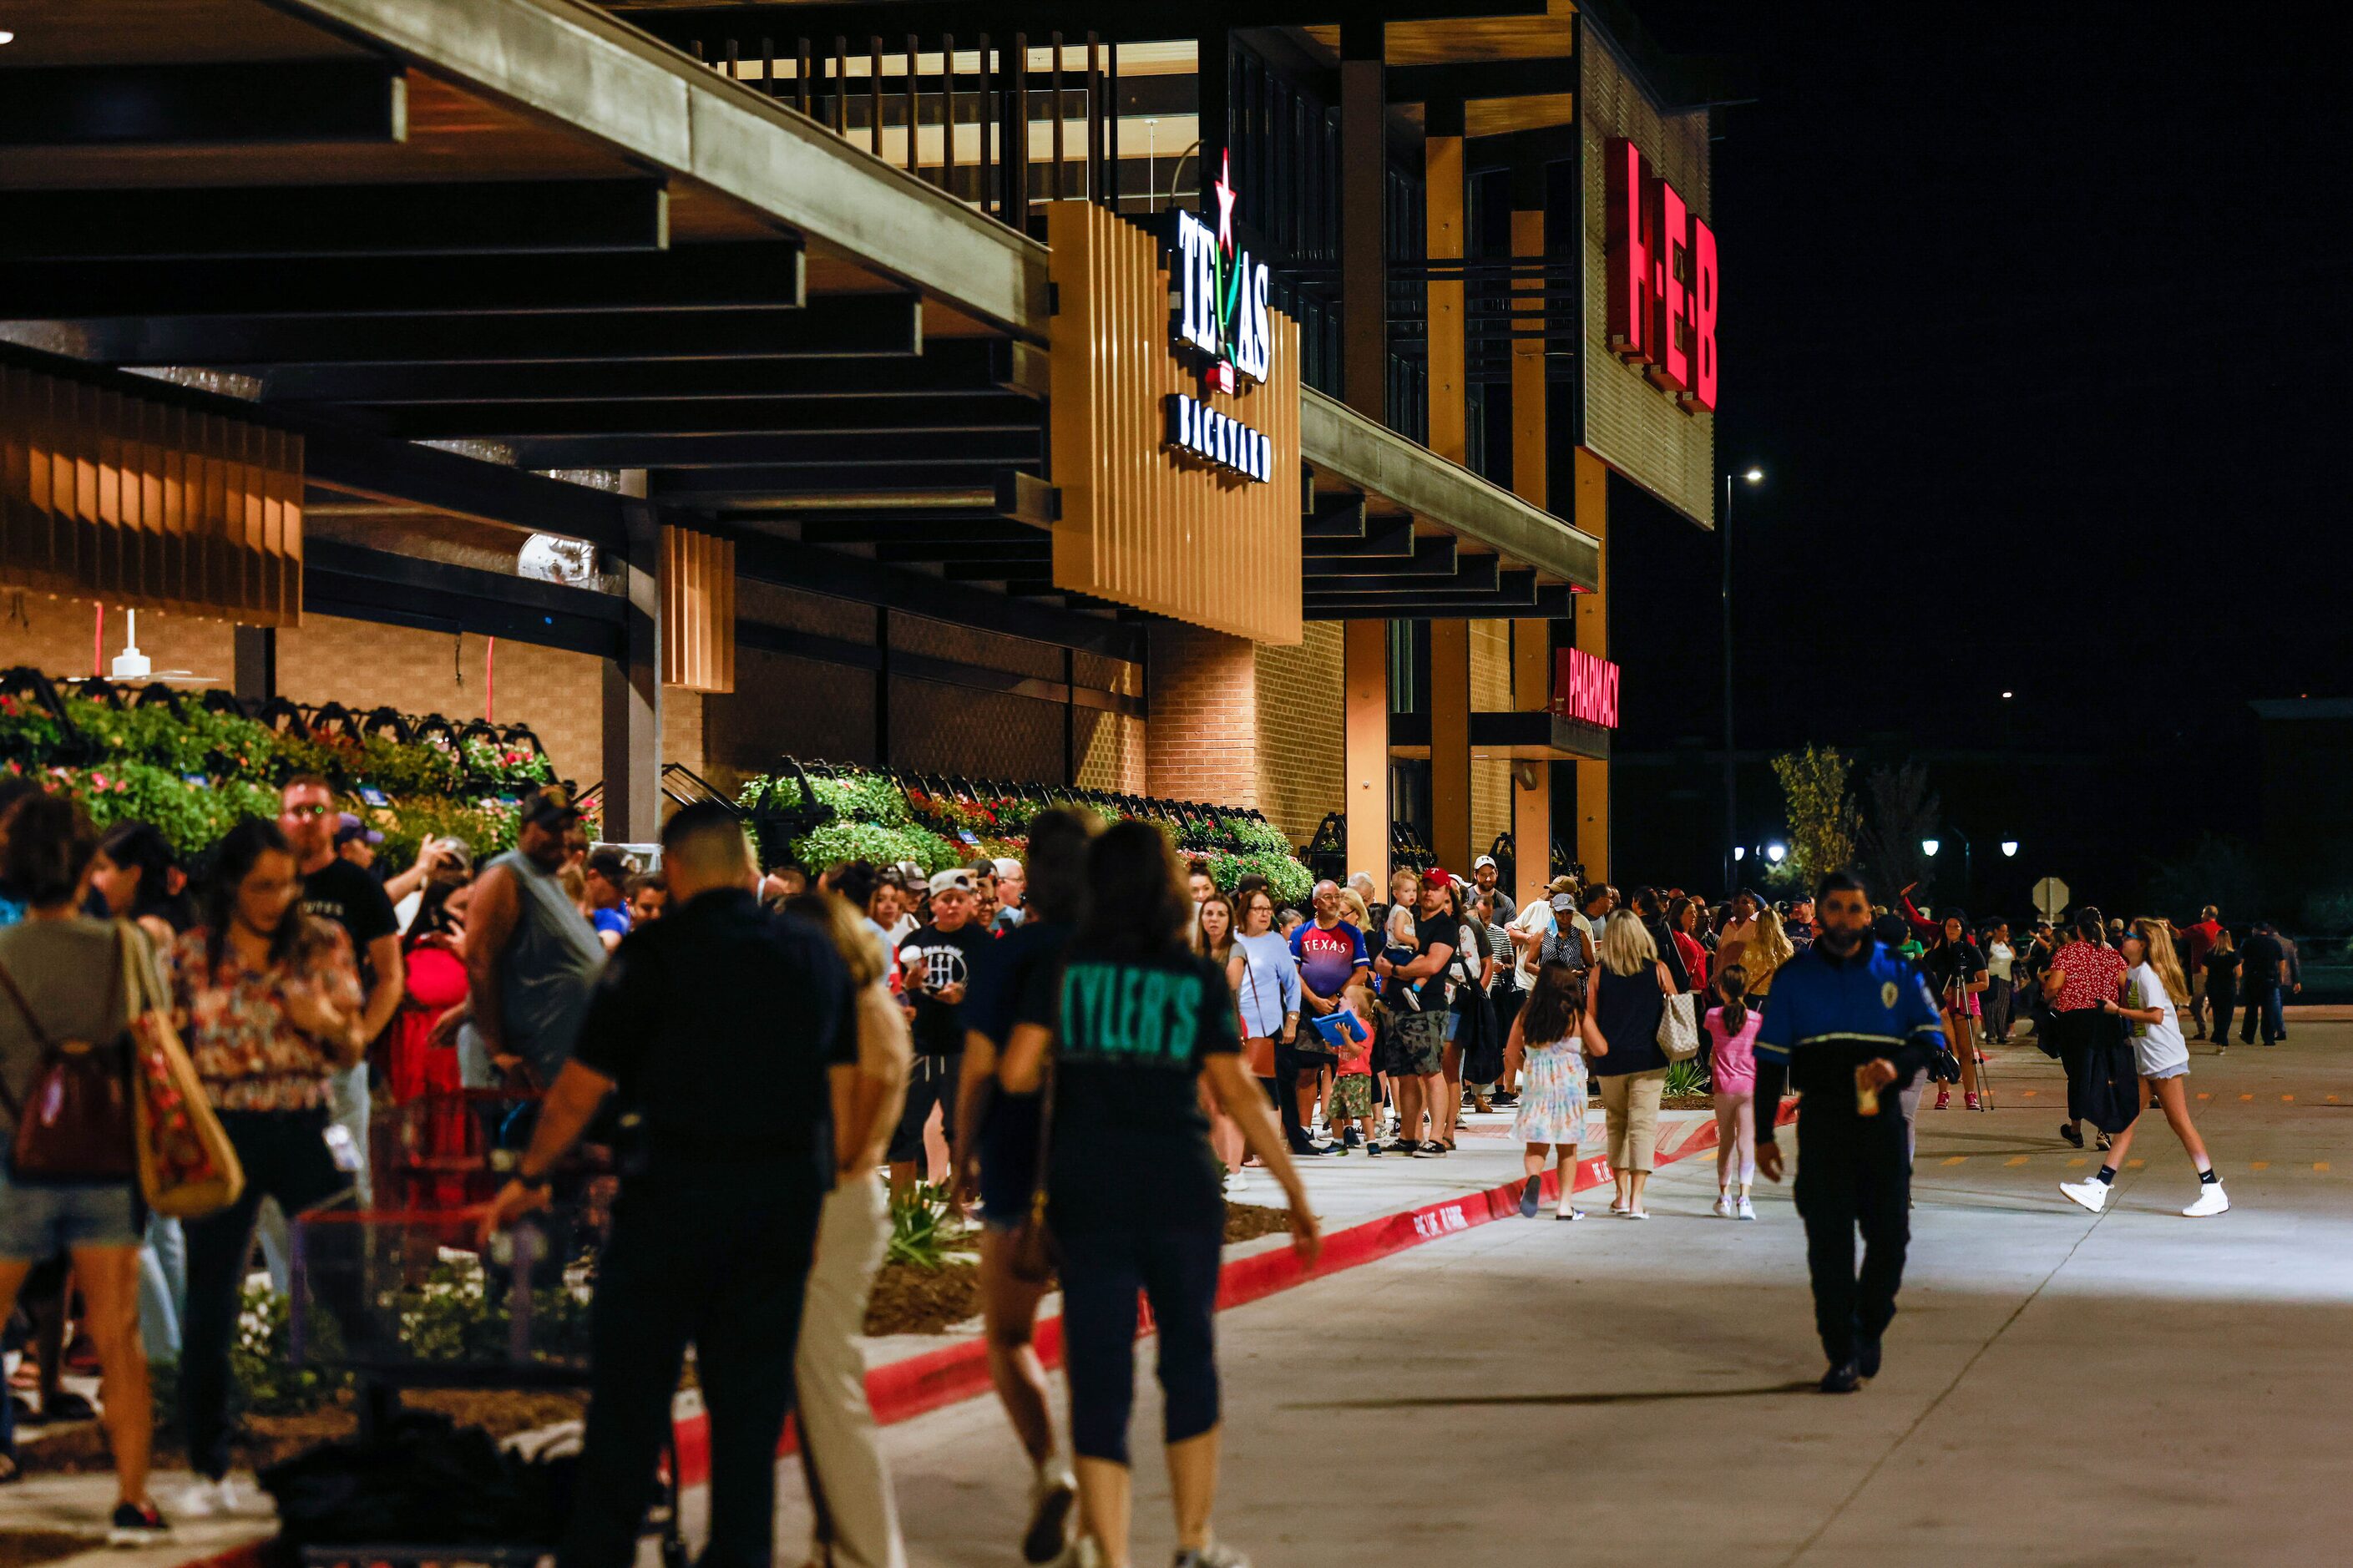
column 902, row 1390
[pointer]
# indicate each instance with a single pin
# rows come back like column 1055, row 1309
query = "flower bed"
column 195, row 767
column 885, row 819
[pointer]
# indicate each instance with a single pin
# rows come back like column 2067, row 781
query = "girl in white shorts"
column 2153, row 982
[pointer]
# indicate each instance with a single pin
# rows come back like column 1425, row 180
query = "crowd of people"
column 1089, row 1049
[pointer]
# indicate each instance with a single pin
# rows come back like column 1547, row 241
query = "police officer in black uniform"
column 1849, row 1023
column 721, row 1027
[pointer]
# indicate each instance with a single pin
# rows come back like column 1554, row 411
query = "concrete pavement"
column 2060, row 1388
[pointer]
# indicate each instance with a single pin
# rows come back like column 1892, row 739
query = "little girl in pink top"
column 1732, row 1038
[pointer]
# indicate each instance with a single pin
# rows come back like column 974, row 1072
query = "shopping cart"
column 416, row 1299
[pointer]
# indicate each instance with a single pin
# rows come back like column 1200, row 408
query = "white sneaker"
column 1747, row 1210
column 1724, row 1206
column 1054, row 1499
column 1636, row 1214
column 210, row 1499
column 1236, row 1181
column 2211, row 1201
column 2092, row 1196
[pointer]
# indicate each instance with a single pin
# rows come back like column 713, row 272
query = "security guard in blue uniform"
column 725, row 1030
column 1847, row 1019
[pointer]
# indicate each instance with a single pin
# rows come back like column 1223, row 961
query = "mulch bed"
column 912, row 1301
column 81, row 1449
column 1687, row 1102
column 21, row 1548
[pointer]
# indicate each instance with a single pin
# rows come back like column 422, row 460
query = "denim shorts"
column 37, row 1222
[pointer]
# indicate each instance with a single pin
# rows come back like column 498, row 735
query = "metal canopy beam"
column 473, row 218
column 878, row 324
column 1020, row 557
column 1335, row 520
column 1472, row 574
column 812, row 569
column 362, row 584
column 737, row 275
column 836, row 491
column 783, row 452
column 1433, row 557
column 212, row 105
column 1360, row 453
column 714, row 416
column 583, row 72
column 857, row 19
column 1546, row 604
column 917, row 534
column 950, row 367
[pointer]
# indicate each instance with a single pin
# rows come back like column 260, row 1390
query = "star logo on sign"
column 1225, row 189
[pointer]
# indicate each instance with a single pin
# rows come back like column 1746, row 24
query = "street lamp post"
column 1754, row 476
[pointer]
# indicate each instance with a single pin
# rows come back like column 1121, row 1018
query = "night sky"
column 2036, row 316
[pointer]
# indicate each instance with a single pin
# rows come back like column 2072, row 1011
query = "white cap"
column 955, row 880
column 1483, row 860
column 1008, row 866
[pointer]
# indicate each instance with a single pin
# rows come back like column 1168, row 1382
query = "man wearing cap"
column 355, row 841
column 531, row 955
column 726, row 1033
column 1417, row 1055
column 337, row 888
column 1484, row 873
column 935, row 962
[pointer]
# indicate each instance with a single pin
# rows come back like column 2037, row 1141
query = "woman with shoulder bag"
column 1211, row 933
column 1631, row 988
column 64, row 1017
column 267, row 999
column 1132, row 1020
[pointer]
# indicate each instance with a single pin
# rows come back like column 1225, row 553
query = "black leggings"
column 1177, row 1268
column 285, row 1156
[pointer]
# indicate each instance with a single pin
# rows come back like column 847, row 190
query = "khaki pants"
column 1629, row 1102
column 849, row 1482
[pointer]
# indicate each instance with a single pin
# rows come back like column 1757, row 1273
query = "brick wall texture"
column 1491, row 692
column 1303, row 730
column 1245, row 725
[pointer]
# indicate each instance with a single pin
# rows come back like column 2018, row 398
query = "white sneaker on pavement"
column 1747, row 1210
column 205, row 1498
column 1724, row 1206
column 2092, row 1196
column 2211, row 1201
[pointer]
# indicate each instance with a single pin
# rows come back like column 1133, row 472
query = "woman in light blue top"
column 1265, row 978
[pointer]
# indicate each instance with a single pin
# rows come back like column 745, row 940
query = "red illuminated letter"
column 1629, row 252
column 1703, row 318
column 1671, row 251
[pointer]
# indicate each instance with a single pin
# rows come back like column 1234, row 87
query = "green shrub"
column 1686, row 1078
column 917, row 1221
column 845, row 840
column 456, row 1316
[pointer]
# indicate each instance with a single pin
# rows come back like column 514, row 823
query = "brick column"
column 1200, row 734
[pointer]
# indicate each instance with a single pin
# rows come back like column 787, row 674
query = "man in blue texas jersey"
column 1846, row 1018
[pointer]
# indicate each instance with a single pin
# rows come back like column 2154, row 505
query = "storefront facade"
column 1226, row 418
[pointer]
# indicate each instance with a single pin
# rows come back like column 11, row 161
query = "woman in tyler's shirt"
column 1130, row 1020
column 270, row 1005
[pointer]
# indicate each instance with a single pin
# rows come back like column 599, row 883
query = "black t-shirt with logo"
column 1130, row 1145
column 931, row 959
column 1429, row 932
column 341, row 892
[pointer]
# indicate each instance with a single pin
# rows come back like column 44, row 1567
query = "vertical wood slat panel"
column 146, row 504
column 1139, row 524
column 696, row 584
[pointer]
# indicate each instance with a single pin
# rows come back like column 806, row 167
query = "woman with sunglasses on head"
column 2154, row 987
column 272, row 1010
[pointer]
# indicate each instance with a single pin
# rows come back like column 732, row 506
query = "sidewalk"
column 1370, row 1207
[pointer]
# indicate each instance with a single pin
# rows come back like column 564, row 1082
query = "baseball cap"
column 1564, row 902
column 549, row 806
column 1484, row 861
column 1438, row 877
column 349, row 827
column 1008, row 866
column 911, row 875
column 955, row 880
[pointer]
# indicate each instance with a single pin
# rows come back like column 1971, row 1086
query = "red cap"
column 1438, row 877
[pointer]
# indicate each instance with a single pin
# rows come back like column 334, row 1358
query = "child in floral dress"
column 1556, row 1032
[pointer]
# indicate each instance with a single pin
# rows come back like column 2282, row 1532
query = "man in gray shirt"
column 531, row 955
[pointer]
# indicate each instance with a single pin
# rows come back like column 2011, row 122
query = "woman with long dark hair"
column 1956, row 972
column 1556, row 1033
column 2085, row 975
column 2154, row 988
column 138, row 877
column 1124, row 1026
column 270, row 1004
